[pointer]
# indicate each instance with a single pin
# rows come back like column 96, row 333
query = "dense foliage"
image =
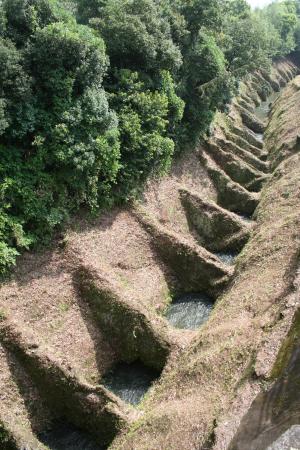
column 97, row 95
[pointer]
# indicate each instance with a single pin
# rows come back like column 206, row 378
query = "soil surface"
column 98, row 297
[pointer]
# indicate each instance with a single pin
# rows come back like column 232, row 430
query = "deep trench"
column 131, row 382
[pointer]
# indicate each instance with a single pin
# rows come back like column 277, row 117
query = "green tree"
column 23, row 17
column 87, row 9
column 237, row 8
column 283, row 17
column 137, row 36
column 143, row 116
column 248, row 43
column 202, row 13
column 77, row 129
column 16, row 101
column 204, row 65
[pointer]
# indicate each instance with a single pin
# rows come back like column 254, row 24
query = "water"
column 190, row 311
column 227, row 258
column 130, row 382
column 259, row 136
column 245, row 217
column 63, row 436
column 263, row 110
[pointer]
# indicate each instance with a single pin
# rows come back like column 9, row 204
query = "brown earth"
column 62, row 310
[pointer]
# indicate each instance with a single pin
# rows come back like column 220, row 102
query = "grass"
column 64, row 307
column 3, row 315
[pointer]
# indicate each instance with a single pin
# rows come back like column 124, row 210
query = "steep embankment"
column 68, row 316
column 207, row 390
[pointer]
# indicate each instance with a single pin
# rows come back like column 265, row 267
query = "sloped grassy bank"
column 74, row 318
column 275, row 411
column 208, row 389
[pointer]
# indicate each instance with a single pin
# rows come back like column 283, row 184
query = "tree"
column 248, row 43
column 237, row 8
column 202, row 14
column 87, row 9
column 137, row 36
column 143, row 123
column 77, row 131
column 283, row 17
column 16, row 104
column 204, row 64
column 23, row 17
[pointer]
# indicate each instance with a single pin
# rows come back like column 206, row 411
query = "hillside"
column 98, row 297
column 149, row 225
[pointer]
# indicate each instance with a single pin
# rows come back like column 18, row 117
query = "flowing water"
column 263, row 110
column 227, row 258
column 259, row 136
column 63, row 436
column 245, row 217
column 190, row 311
column 130, row 382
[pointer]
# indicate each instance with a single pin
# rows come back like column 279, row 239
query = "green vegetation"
column 97, row 95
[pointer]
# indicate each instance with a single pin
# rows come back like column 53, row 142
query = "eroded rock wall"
column 208, row 389
column 97, row 298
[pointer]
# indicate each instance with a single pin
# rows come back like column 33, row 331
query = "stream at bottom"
column 259, row 136
column 189, row 311
column 64, row 436
column 263, row 110
column 130, row 382
column 227, row 258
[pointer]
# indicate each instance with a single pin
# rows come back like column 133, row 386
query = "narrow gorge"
column 170, row 323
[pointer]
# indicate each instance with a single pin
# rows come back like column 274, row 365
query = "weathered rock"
column 244, row 96
column 252, row 122
column 271, row 419
column 245, row 155
column 133, row 331
column 264, row 82
column 241, row 142
column 282, row 135
column 195, row 268
column 237, row 169
column 246, row 134
column 251, row 92
column 230, row 194
column 261, row 89
column 246, row 104
column 218, row 229
column 93, row 409
column 271, row 80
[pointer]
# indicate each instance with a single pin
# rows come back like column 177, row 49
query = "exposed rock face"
column 271, row 419
column 269, row 422
column 133, row 332
column 218, row 229
column 231, row 195
column 195, row 268
column 98, row 298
